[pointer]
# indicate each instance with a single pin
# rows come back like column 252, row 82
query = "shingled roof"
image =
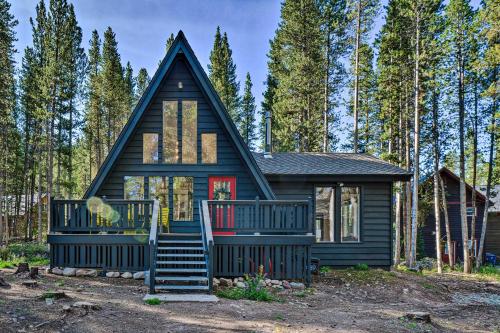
column 340, row 164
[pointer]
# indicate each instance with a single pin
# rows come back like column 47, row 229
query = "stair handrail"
column 208, row 240
column 153, row 243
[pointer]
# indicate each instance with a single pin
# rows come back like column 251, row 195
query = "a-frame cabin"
column 181, row 196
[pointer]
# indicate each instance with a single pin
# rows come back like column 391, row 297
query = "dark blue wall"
column 229, row 161
column 375, row 225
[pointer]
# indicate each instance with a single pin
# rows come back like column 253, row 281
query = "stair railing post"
column 153, row 240
column 257, row 214
column 310, row 224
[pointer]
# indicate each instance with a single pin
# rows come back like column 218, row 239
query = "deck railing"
column 153, row 244
column 98, row 215
column 208, row 241
column 261, row 216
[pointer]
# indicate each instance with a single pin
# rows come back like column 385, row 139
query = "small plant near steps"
column 153, row 301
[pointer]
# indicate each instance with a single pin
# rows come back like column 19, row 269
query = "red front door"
column 222, row 188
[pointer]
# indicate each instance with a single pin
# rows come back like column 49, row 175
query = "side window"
column 170, row 141
column 183, row 199
column 350, row 214
column 133, row 188
column 150, row 153
column 209, row 148
column 189, row 132
column 325, row 213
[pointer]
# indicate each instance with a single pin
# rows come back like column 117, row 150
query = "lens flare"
column 94, row 204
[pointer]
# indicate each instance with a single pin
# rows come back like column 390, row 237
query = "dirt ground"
column 343, row 301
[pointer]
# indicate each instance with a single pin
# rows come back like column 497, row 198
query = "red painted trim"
column 219, row 222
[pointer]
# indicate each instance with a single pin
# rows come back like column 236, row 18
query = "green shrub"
column 361, row 267
column 255, row 290
column 324, row 269
column 33, row 253
column 489, row 270
column 153, row 301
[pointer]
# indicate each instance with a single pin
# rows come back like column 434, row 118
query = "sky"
column 143, row 26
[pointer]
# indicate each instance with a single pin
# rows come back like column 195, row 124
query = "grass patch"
column 35, row 254
column 279, row 317
column 428, row 285
column 60, row 283
column 261, row 295
column 324, row 269
column 152, row 301
column 305, row 292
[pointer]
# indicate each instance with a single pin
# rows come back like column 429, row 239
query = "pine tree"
column 8, row 131
column 247, row 125
column 169, row 42
column 129, row 86
column 141, row 83
column 459, row 18
column 297, row 106
column 334, row 28
column 222, row 74
column 362, row 14
column 113, row 89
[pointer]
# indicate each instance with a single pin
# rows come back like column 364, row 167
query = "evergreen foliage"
column 222, row 74
column 248, row 108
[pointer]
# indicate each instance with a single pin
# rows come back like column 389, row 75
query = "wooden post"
column 257, row 214
column 310, row 224
column 152, row 263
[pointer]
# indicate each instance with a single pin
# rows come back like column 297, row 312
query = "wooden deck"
column 235, row 238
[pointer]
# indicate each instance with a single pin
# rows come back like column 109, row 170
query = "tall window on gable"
column 189, row 132
column 209, row 148
column 133, row 188
column 183, row 198
column 170, row 142
column 150, row 152
column 350, row 199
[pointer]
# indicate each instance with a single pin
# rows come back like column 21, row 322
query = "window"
column 133, row 188
column 325, row 213
column 209, row 148
column 349, row 214
column 170, row 142
column 158, row 189
column 471, row 211
column 183, row 198
column 150, row 152
column 189, row 135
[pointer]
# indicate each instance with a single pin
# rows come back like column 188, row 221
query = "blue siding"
column 376, row 219
column 229, row 158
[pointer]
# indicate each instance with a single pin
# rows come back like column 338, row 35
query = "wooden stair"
column 181, row 264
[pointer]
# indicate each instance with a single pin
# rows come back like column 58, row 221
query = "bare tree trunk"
column 479, row 258
column 326, row 106
column 356, row 74
column 397, row 234
column 444, row 202
column 463, row 203
column 416, row 158
column 437, row 211
column 474, row 173
column 39, row 199
column 408, row 184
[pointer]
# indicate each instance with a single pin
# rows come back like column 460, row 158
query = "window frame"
column 359, row 215
column 183, row 138
column 173, row 200
column 163, row 140
column 144, row 134
column 334, row 188
column 216, row 148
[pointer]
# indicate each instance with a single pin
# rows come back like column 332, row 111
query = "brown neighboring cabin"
column 452, row 188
